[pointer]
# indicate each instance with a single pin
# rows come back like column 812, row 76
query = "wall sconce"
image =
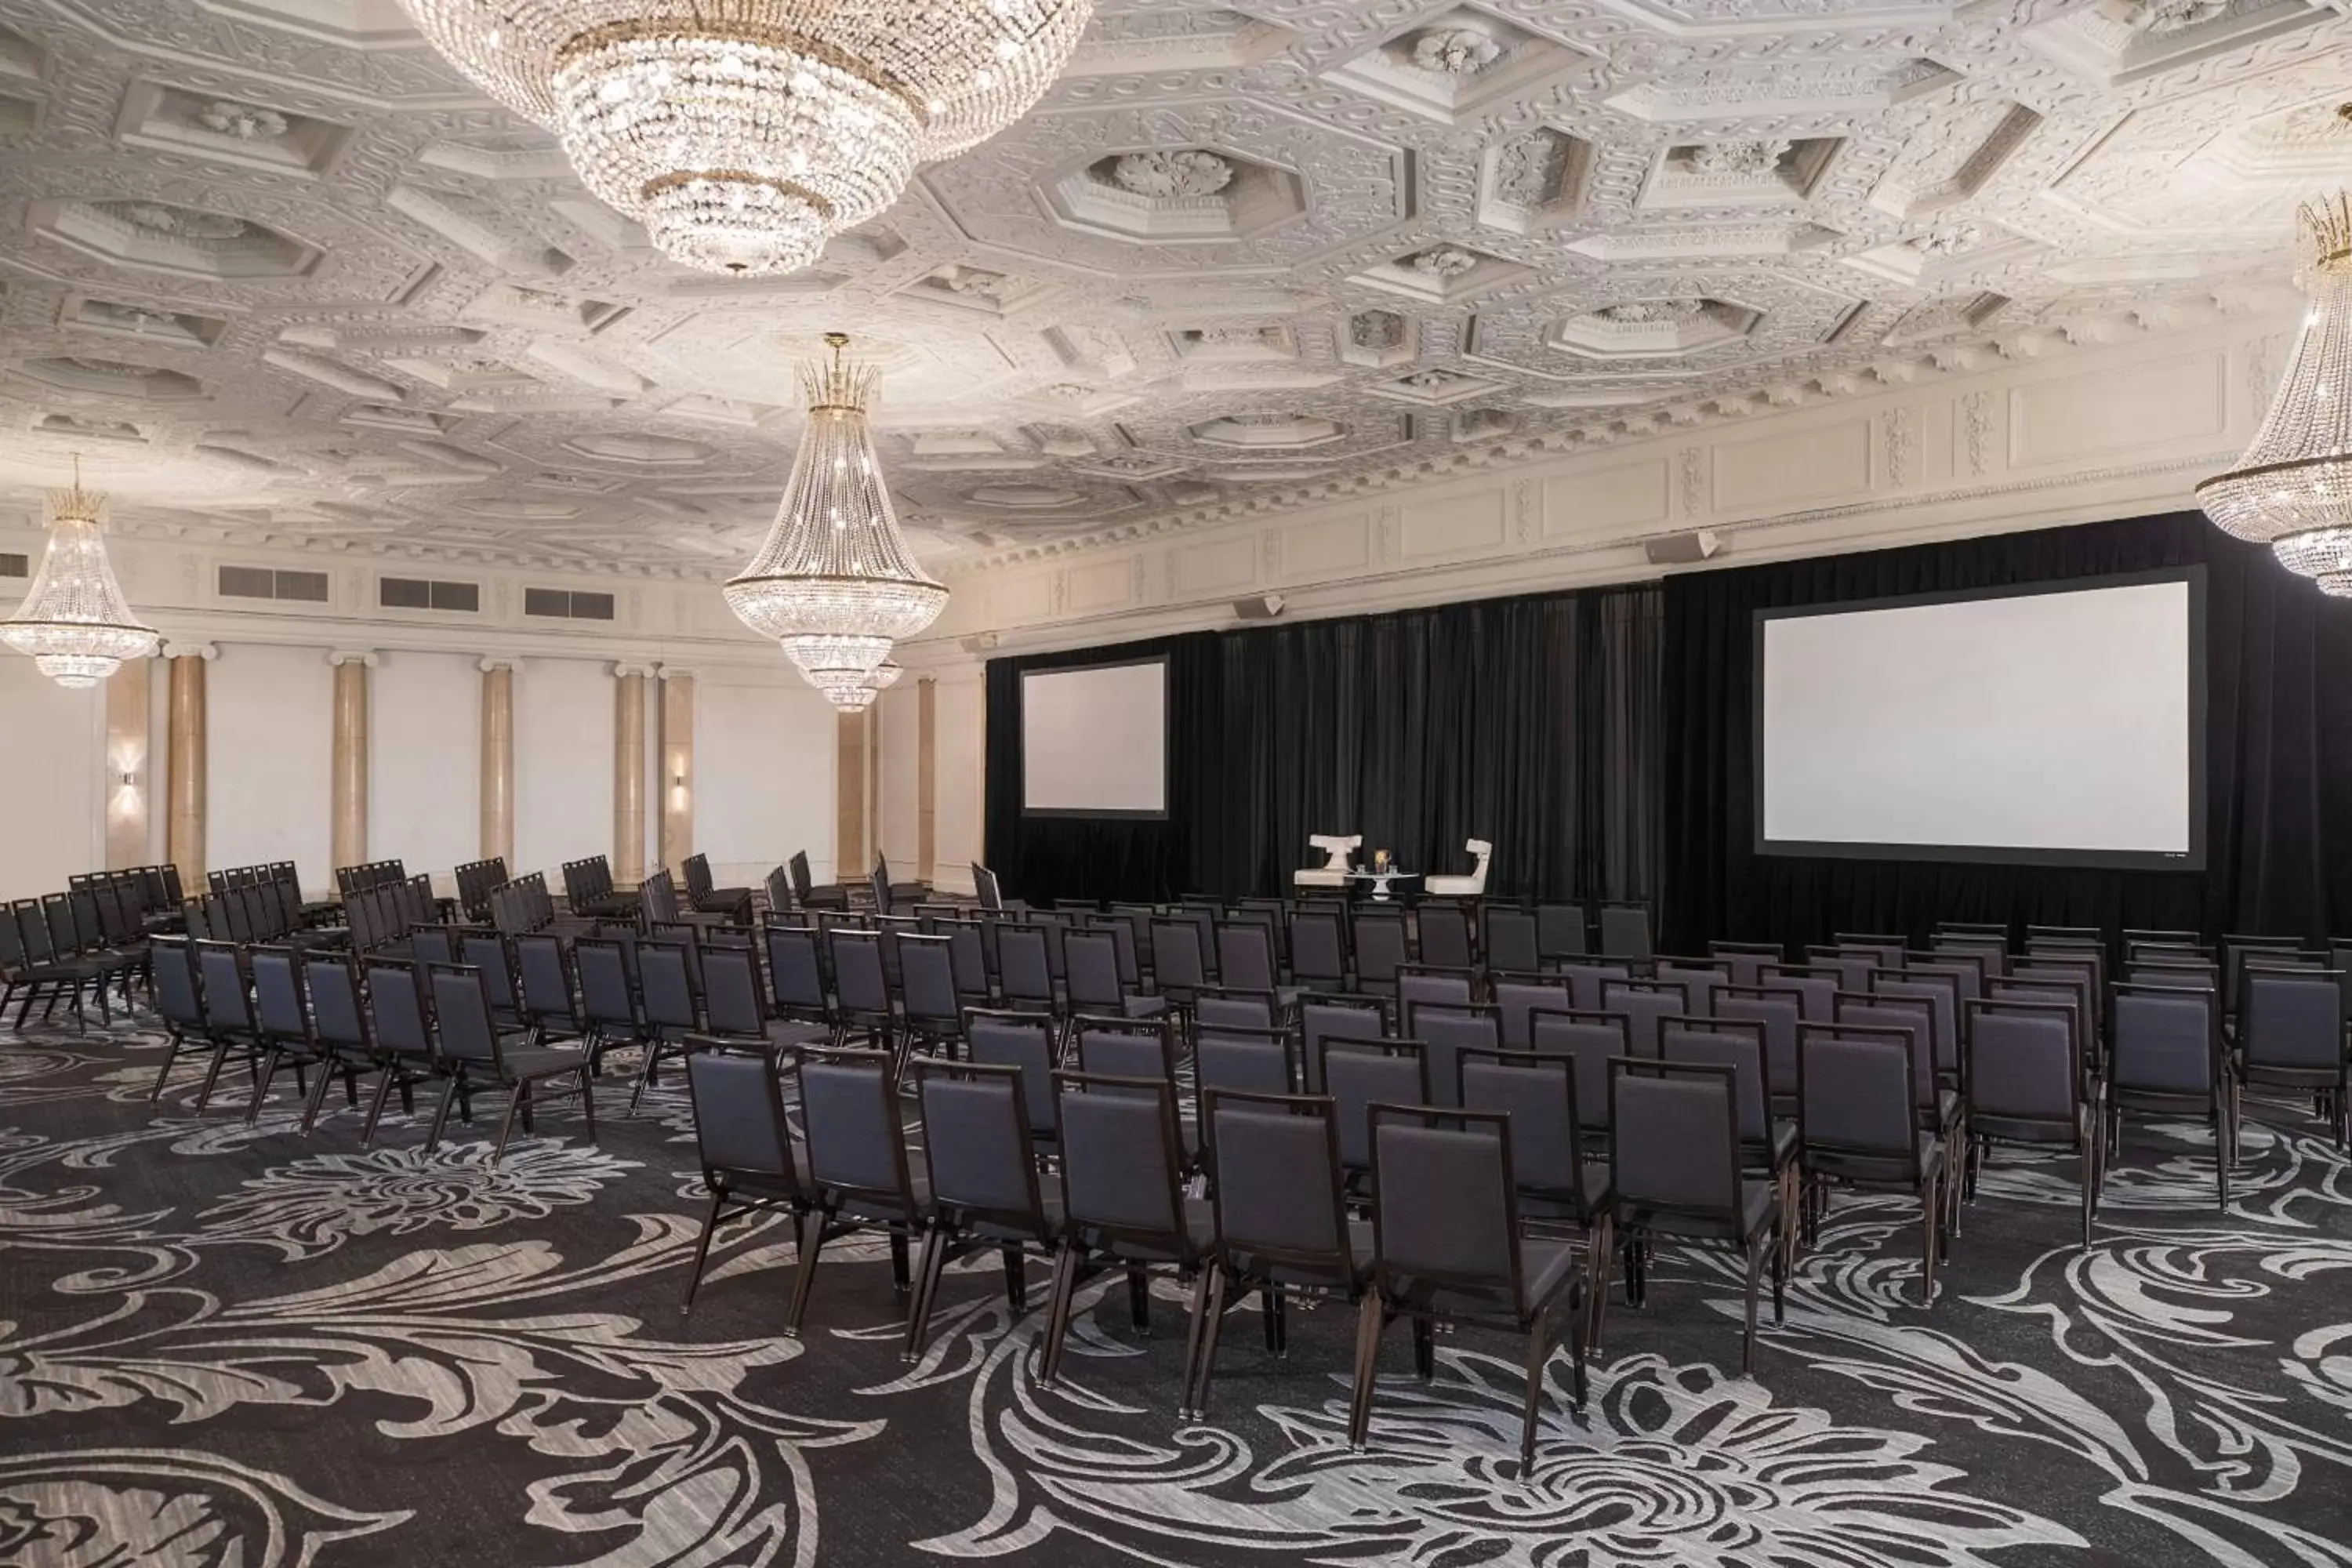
column 129, row 780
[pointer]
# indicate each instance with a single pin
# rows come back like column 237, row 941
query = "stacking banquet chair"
column 1625, row 930
column 1128, row 1048
column 1179, row 964
column 1359, row 1074
column 735, row 1014
column 1447, row 1248
column 608, row 997
column 1645, row 1004
column 473, row 1053
column 805, row 891
column 1379, row 942
column 1445, row 940
column 228, row 1014
column 748, row 1162
column 1335, row 1017
column 1091, row 958
column 1674, row 1169
column 1700, row 979
column 2291, row 1036
column 1246, row 960
column 1318, row 945
column 980, row 1161
column 2026, row 1086
column 1281, row 1219
column 403, row 1043
column 179, row 1001
column 2166, row 1055
column 1562, row 930
column 1215, row 1006
column 796, row 976
column 1242, row 1059
column 1745, row 960
column 1856, row 1096
column 665, row 986
column 1561, row 1182
column 1026, row 970
column 858, row 1175
column 861, row 990
column 1027, row 1043
column 281, row 1023
column 1942, row 1112
column 1815, row 988
column 545, row 1000
column 1419, row 983
column 930, row 1010
column 1507, row 939
column 1446, row 1030
column 339, row 1033
column 1517, row 995
column 1767, row 1145
column 1587, row 977
column 1589, row 1042
column 734, row 903
column 1123, row 1199
column 1779, row 1012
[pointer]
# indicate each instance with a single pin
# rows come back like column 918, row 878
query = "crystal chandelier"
column 859, row 699
column 74, row 621
column 745, row 133
column 2293, row 489
column 834, row 582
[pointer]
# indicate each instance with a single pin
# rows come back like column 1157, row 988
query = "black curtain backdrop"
column 2279, row 740
column 1531, row 722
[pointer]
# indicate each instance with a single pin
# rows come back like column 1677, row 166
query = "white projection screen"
column 2063, row 726
column 1094, row 739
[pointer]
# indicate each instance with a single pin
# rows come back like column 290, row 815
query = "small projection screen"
column 2058, row 726
column 1094, row 741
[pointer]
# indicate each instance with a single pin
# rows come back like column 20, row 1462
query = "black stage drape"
column 2279, row 738
column 1531, row 722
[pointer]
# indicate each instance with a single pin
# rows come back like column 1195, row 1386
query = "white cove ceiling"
column 282, row 278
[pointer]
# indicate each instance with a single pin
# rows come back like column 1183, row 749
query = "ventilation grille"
column 564, row 605
column 417, row 594
column 261, row 583
column 15, row 566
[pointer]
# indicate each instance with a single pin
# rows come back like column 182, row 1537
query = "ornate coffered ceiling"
column 284, row 279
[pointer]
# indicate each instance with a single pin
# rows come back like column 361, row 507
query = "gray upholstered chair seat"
column 757, row 1184
column 1893, row 1168
column 1773, row 1156
column 1048, row 1204
column 2280, row 1076
column 883, row 1209
column 1756, row 1198
column 540, row 1061
column 1360, row 1253
column 1144, row 1006
column 2016, row 1129
column 1200, row 1224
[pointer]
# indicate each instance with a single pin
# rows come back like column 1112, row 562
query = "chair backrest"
column 860, row 987
column 1335, row 1017
column 1747, row 960
column 1517, row 995
column 1445, row 1030
column 796, row 973
column 1177, row 961
column 225, row 1007
column 395, row 994
column 926, row 980
column 1562, row 930
column 1319, row 946
column 979, row 1148
column 1780, row 1012
column 545, row 970
column 461, row 1010
column 1700, row 978
column 2235, row 952
column 1644, row 1003
column 1853, row 966
column 1239, row 1057
column 1215, row 1006
column 1277, row 1192
column 1857, row 1092
column 176, row 994
column 849, row 1110
column 1124, row 1048
column 2025, row 1063
column 331, row 981
column 1674, row 1144
column 2164, row 1039
column 1815, row 990
column 1625, row 930
column 1245, row 955
column 1358, row 1074
column 1445, row 1219
column 1585, row 978
column 1915, row 1015
column 277, row 1004
column 739, row 1124
column 1941, row 992
column 1381, row 949
column 1509, row 938
column 1024, row 1042
column 1592, row 1040
column 2291, row 1019
column 1120, row 1162
column 1737, row 1044
column 1422, row 983
column 1092, row 957
column 1445, row 935
column 607, row 995
column 1538, row 1094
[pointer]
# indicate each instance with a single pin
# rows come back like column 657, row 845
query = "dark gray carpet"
column 238, row 1348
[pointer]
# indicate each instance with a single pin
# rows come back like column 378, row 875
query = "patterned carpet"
column 224, row 1347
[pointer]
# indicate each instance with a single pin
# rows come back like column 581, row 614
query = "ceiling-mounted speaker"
column 1259, row 606
column 1682, row 549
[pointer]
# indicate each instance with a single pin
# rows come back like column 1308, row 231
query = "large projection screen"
column 1094, row 739
column 2060, row 726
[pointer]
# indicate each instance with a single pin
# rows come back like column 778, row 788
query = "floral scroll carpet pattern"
column 225, row 1346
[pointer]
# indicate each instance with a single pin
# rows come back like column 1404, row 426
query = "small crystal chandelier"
column 835, row 582
column 745, row 133
column 2293, row 489
column 859, row 699
column 75, row 622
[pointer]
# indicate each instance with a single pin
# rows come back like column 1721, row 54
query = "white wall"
column 563, row 764
column 269, row 753
column 51, row 819
column 961, row 762
column 424, row 761
column 763, row 767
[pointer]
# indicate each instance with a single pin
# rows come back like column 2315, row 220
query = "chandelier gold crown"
column 75, row 623
column 76, row 504
column 840, row 385
column 2327, row 225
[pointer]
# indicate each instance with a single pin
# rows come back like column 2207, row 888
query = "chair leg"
column 1755, row 1280
column 318, row 1097
column 701, row 1251
column 811, row 1242
column 211, row 1076
column 171, row 1055
column 1539, row 1355
column 261, row 1087
column 2086, row 1149
column 901, row 1273
column 926, row 1280
column 441, row 1112
column 588, row 1103
column 1216, row 1316
column 1424, row 1348
column 1370, row 1320
column 1058, row 1321
column 1600, row 1243
column 1016, row 1280
column 1138, row 1300
column 1931, row 1204
column 515, row 1102
column 1196, row 1328
column 376, row 1105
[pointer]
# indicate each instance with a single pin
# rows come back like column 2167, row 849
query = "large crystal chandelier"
column 2293, row 489
column 745, row 133
column 835, row 582
column 74, row 621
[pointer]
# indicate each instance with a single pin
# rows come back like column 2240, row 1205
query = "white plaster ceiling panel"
column 282, row 276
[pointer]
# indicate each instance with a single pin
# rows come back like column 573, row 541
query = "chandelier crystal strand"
column 2292, row 488
column 745, row 133
column 75, row 622
column 835, row 582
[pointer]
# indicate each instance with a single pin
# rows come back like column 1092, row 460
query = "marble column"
column 629, row 774
column 498, row 761
column 677, row 775
column 927, row 781
column 851, row 749
column 350, row 756
column 184, row 756
column 128, row 777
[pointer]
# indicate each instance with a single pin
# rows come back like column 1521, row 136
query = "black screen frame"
column 1091, row 813
column 2193, row 859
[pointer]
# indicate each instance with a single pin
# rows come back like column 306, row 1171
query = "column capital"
column 191, row 651
column 493, row 666
column 368, row 658
column 624, row 668
column 674, row 672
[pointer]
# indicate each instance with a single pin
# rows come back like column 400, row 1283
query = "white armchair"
column 1338, row 849
column 1470, row 886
